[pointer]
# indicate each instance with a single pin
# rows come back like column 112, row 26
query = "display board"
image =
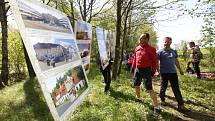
column 54, row 54
column 101, row 35
column 83, row 32
column 112, row 43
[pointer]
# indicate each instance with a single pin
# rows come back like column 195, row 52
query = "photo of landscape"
column 38, row 17
column 66, row 87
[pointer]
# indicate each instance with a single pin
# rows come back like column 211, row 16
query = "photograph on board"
column 86, row 63
column 39, row 17
column 84, row 49
column 54, row 52
column 83, row 31
column 65, row 88
column 102, row 47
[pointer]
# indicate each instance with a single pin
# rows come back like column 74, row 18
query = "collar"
column 144, row 45
column 167, row 49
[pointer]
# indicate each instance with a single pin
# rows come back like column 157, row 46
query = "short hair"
column 169, row 38
column 146, row 35
column 192, row 43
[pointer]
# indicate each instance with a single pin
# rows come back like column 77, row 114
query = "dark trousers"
column 107, row 78
column 173, row 79
column 197, row 69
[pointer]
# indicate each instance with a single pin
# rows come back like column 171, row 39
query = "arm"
column 154, row 60
column 133, row 63
column 178, row 66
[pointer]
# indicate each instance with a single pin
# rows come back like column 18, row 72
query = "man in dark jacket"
column 195, row 57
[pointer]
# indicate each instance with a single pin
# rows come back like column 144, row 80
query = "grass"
column 24, row 101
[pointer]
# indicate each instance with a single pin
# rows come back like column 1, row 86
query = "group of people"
column 145, row 65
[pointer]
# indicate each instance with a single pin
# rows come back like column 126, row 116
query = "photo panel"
column 54, row 55
column 84, row 49
column 53, row 52
column 83, row 33
column 66, row 87
column 102, row 44
column 38, row 17
column 112, row 41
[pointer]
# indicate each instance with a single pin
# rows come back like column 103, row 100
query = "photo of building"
column 66, row 88
column 55, row 53
column 35, row 18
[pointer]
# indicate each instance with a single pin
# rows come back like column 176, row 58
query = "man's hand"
column 157, row 74
column 181, row 72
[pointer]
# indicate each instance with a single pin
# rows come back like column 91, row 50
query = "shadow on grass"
column 119, row 95
column 165, row 116
column 196, row 103
column 194, row 114
column 33, row 99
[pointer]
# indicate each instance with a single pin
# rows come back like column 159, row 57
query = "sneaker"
column 163, row 103
column 183, row 109
column 156, row 112
column 138, row 99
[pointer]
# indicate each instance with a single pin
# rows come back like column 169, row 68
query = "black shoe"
column 163, row 103
column 183, row 109
column 138, row 99
column 156, row 112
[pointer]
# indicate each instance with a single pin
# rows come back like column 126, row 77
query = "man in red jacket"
column 145, row 65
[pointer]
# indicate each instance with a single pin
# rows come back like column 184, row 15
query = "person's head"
column 192, row 44
column 167, row 42
column 144, row 38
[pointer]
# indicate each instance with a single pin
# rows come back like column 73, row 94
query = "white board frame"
column 43, row 75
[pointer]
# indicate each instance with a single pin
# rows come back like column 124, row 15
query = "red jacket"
column 145, row 56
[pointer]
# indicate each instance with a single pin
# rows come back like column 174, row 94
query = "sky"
column 184, row 28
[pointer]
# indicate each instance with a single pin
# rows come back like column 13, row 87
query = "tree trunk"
column 123, row 46
column 3, row 19
column 28, row 62
column 72, row 14
column 85, row 11
column 118, row 34
column 125, row 38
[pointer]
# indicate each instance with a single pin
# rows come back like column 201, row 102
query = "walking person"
column 195, row 57
column 145, row 64
column 168, row 63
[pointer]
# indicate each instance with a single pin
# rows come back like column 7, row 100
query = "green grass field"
column 24, row 101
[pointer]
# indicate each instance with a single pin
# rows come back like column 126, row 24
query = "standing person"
column 106, row 74
column 168, row 63
column 195, row 57
column 145, row 63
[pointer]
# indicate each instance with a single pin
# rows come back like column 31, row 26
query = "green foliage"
column 80, row 72
column 17, row 65
column 24, row 101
